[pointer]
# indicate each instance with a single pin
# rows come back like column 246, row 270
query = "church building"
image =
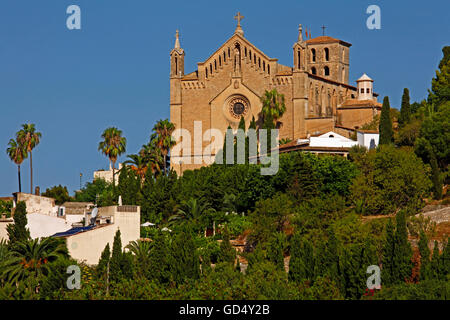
column 229, row 85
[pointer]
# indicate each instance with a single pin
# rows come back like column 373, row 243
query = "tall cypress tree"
column 129, row 186
column 424, row 256
column 402, row 250
column 388, row 255
column 252, row 123
column 368, row 257
column 320, row 267
column 102, row 265
column 183, row 260
column 301, row 264
column 224, row 149
column 435, row 262
column 405, row 110
column 116, row 258
column 159, row 259
column 275, row 251
column 304, row 181
column 445, row 260
column 252, row 126
column 385, row 128
column 332, row 258
column 242, row 127
column 18, row 231
column 436, row 177
column 295, row 270
column 352, row 268
column 268, row 125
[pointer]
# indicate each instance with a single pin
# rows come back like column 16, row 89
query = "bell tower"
column 299, row 51
column 176, row 73
column 300, row 86
column 177, row 58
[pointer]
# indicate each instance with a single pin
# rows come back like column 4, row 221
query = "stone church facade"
column 229, row 85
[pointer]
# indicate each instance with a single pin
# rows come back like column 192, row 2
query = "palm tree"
column 17, row 153
column 141, row 251
column 152, row 157
column 112, row 146
column 32, row 258
column 273, row 105
column 195, row 212
column 138, row 164
column 29, row 138
column 163, row 136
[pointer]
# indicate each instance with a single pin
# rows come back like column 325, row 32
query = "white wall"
column 107, row 175
column 365, row 138
column 38, row 204
column 3, row 233
column 331, row 139
column 88, row 246
column 73, row 218
column 42, row 225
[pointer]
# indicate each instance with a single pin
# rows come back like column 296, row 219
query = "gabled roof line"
column 243, row 39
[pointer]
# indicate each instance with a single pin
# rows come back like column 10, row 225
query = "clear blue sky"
column 114, row 71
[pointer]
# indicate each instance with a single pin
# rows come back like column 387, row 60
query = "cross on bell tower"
column 239, row 30
column 323, row 30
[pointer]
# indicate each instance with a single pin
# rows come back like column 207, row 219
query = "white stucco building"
column 332, row 143
column 368, row 138
column 107, row 175
column 86, row 244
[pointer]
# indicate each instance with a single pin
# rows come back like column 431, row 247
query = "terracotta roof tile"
column 325, row 39
column 367, row 131
column 355, row 103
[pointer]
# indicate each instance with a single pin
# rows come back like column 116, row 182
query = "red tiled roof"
column 301, row 147
column 367, row 131
column 326, row 39
column 355, row 103
column 332, row 81
column 345, row 128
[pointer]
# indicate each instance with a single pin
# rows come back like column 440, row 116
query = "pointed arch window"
column 326, row 71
